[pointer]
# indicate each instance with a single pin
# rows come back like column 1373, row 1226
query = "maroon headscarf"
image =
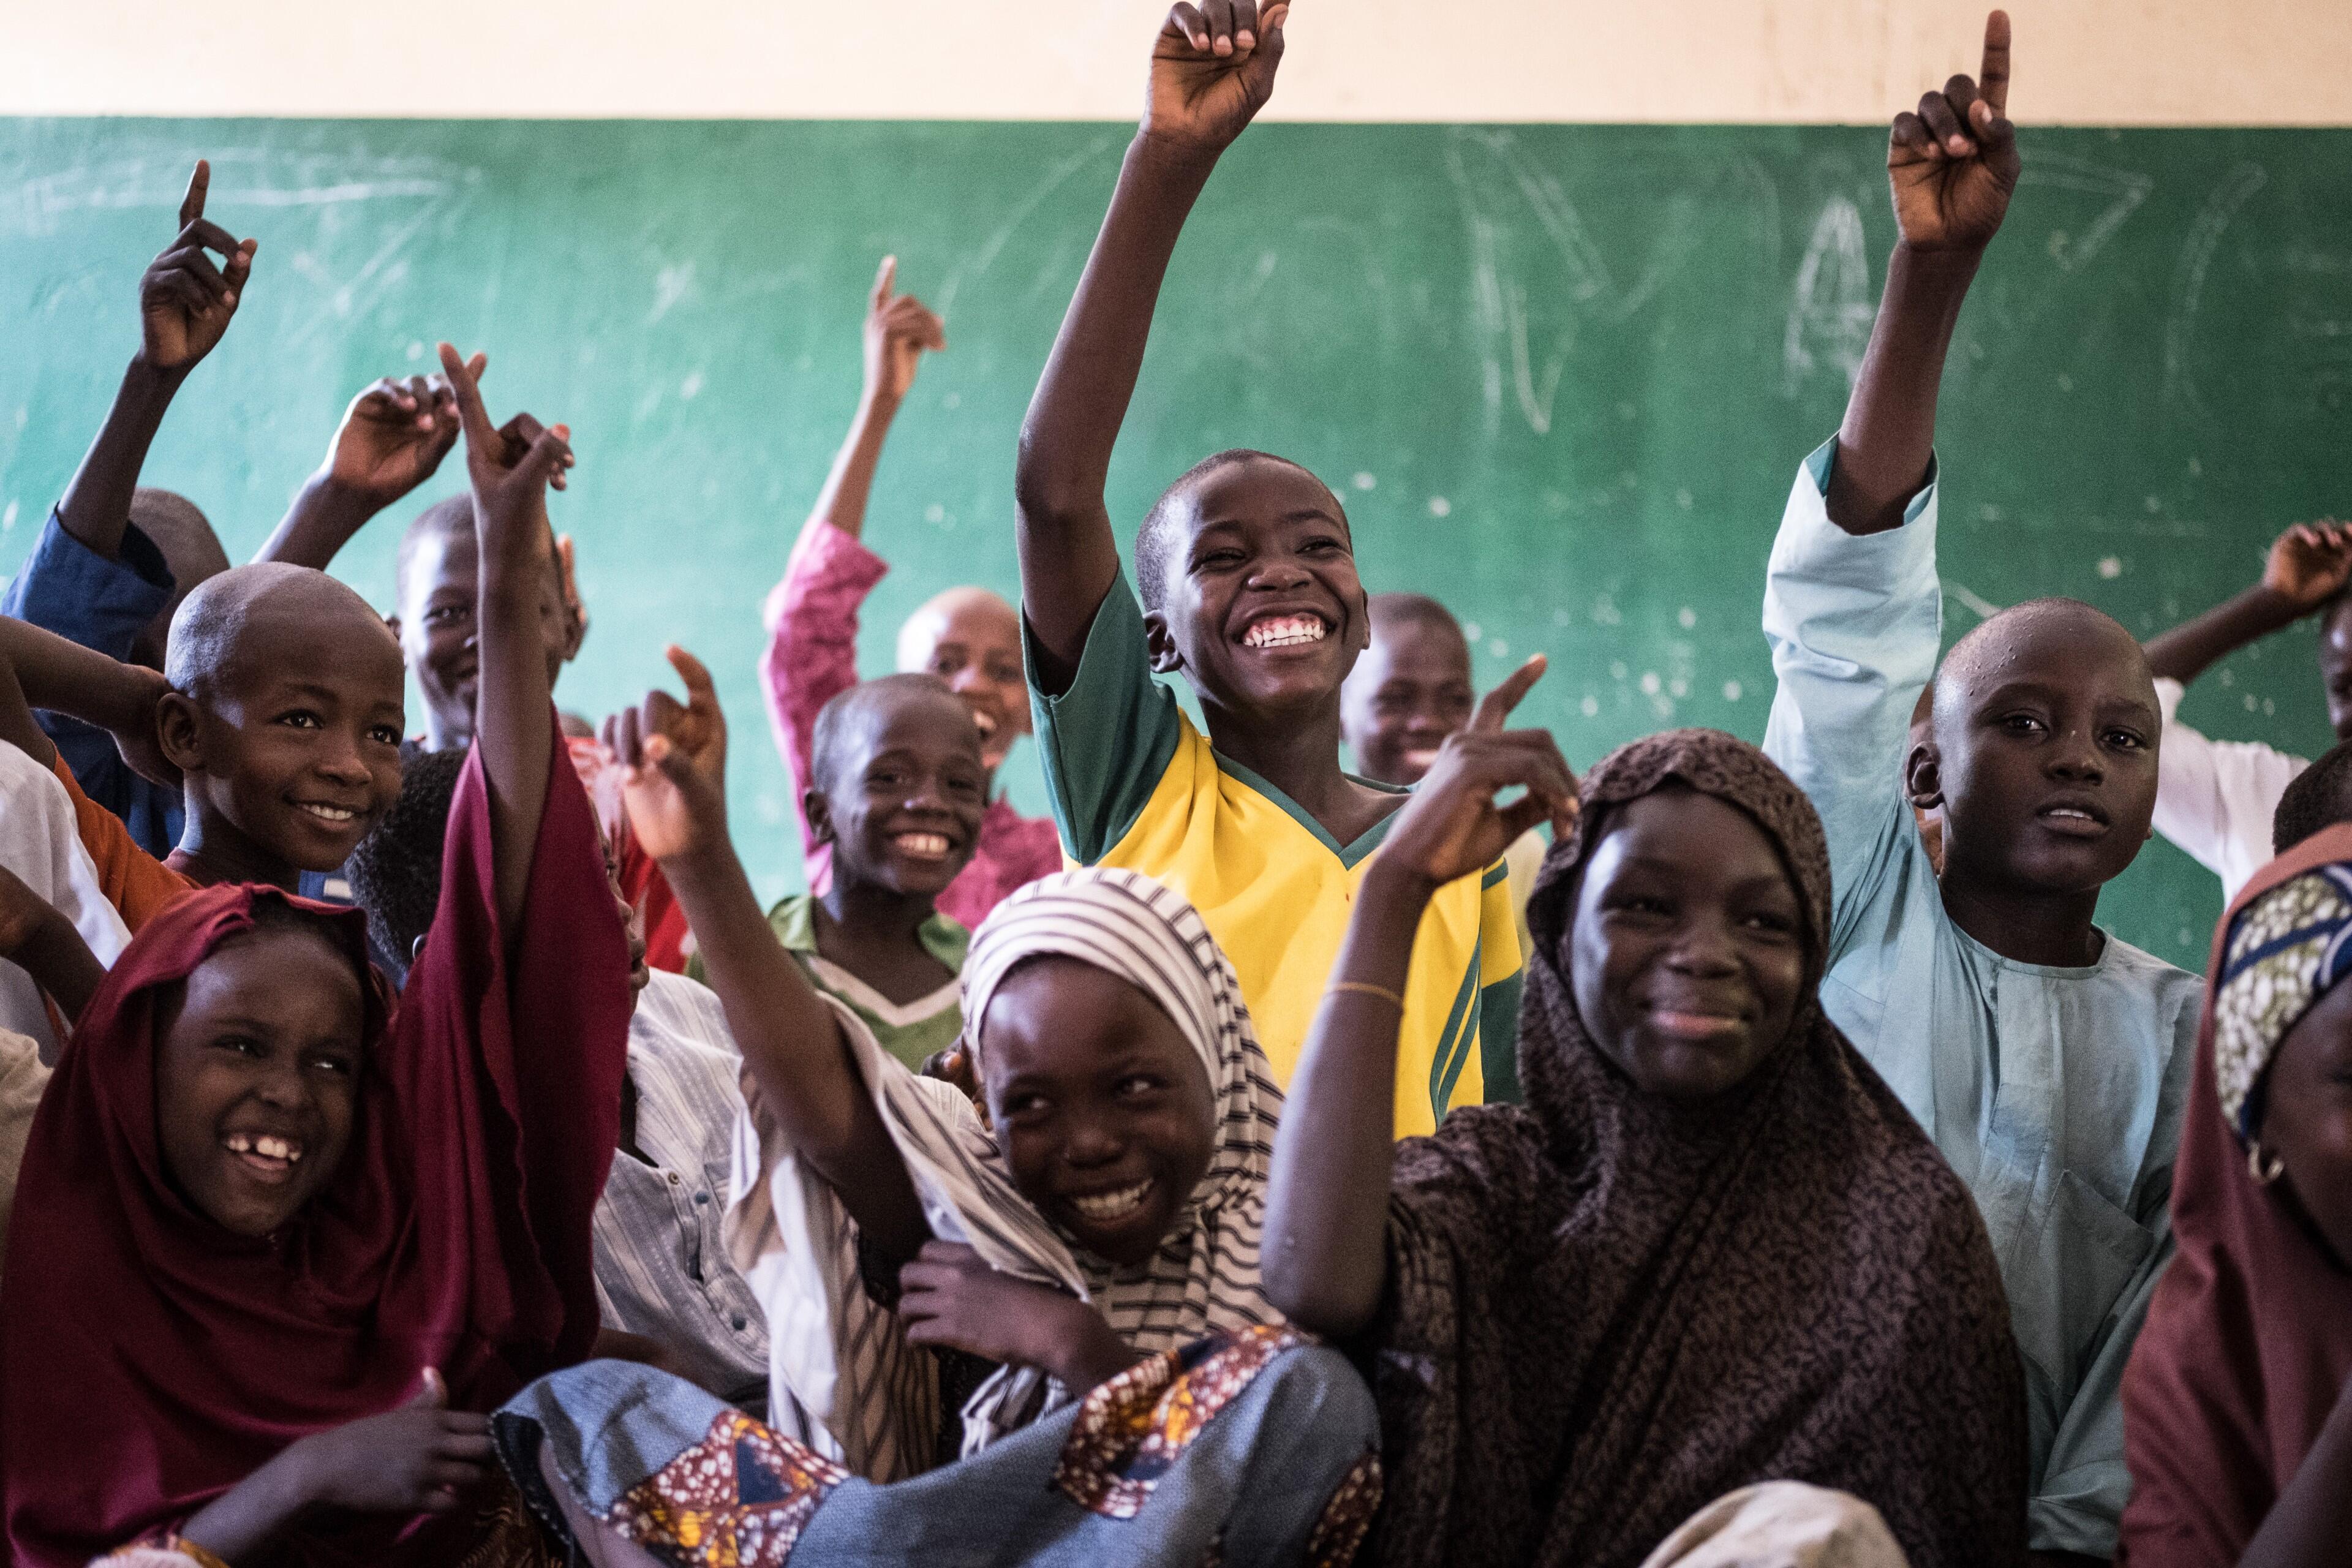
column 2248, row 1341
column 1607, row 1308
column 151, row 1359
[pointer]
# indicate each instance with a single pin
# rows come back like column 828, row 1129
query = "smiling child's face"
column 440, row 587
column 1261, row 609
column 293, row 742
column 1410, row 691
column 901, row 788
column 1687, row 955
column 971, row 639
column 1107, row 1118
column 256, row 1076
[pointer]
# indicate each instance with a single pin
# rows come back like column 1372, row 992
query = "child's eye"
column 1771, row 923
column 944, row 664
column 1217, row 558
column 243, row 1045
column 2125, row 739
column 1135, row 1085
column 301, row 719
column 384, row 735
column 339, row 1066
column 1640, row 904
column 2021, row 724
column 1004, row 671
column 441, row 614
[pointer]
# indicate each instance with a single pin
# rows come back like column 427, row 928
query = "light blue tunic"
column 2055, row 1093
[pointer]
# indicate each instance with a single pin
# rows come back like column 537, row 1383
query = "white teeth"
column 1284, row 631
column 1112, row 1205
column 2070, row 810
column 1420, row 758
column 267, row 1147
column 330, row 812
column 922, row 843
column 987, row 725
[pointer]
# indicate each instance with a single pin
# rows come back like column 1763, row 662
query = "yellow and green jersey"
column 1135, row 785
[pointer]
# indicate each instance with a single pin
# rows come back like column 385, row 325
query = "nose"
column 339, row 759
column 1092, row 1143
column 280, row 1087
column 969, row 678
column 2077, row 756
column 925, row 795
column 1278, row 574
column 1703, row 947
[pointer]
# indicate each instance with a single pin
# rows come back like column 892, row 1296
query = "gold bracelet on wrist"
column 1365, row 988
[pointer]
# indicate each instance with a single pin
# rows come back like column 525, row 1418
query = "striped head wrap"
column 2287, row 949
column 1204, row 1278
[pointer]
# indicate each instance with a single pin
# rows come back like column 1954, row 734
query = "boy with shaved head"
column 967, row 636
column 2048, row 1060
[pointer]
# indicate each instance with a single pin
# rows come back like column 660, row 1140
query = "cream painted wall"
column 2124, row 62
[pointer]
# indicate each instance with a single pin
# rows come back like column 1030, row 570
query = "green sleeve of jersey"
column 1106, row 741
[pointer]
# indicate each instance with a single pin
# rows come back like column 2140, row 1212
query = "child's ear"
column 1161, row 643
column 179, row 730
column 1923, row 776
column 817, row 814
column 394, row 622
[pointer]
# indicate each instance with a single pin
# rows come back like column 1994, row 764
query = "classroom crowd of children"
column 430, row 1151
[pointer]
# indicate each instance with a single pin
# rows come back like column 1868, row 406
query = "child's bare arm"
column 2307, row 567
column 1325, row 1250
column 1211, row 69
column 36, row 936
column 898, row 328
column 1952, row 166
column 676, row 795
column 510, row 469
column 185, row 306
column 63, row 677
column 392, row 439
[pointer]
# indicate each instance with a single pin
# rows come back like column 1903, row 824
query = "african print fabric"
column 2287, row 950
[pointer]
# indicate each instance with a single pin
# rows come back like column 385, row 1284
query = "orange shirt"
column 134, row 882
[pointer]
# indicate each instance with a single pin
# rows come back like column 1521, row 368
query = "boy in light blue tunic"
column 2048, row 1060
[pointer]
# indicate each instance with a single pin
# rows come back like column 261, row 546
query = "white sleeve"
column 40, row 843
column 1855, row 624
column 2214, row 799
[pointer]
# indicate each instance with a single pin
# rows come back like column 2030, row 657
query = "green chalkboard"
column 1562, row 375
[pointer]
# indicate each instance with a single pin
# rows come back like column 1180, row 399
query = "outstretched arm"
column 37, row 937
column 185, row 306
column 898, row 328
column 392, row 439
column 1211, row 70
column 511, row 467
column 2307, row 567
column 675, row 794
column 1326, row 1252
column 1952, row 166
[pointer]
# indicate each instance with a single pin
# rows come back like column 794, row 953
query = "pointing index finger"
column 883, row 279
column 698, row 688
column 1992, row 80
column 1497, row 705
column 471, row 415
column 192, row 206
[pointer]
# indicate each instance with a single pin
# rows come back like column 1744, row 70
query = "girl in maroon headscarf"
column 2238, row 1400
column 274, row 1251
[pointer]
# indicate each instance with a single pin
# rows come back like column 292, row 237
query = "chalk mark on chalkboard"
column 1504, row 185
column 241, row 178
column 1832, row 307
column 981, row 260
column 1976, row 604
column 2189, row 280
column 2123, row 189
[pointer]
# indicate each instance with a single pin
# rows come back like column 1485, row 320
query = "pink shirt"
column 811, row 657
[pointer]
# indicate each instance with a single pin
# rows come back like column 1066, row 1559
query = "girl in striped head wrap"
column 1095, row 1238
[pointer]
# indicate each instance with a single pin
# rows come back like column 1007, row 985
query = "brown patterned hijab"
column 1607, row 1308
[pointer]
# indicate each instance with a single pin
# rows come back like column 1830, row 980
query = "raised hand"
column 898, row 328
column 185, row 301
column 511, row 466
column 415, row 1459
column 1211, row 70
column 2310, row 564
column 1451, row 826
column 395, row 436
column 675, row 788
column 1953, row 164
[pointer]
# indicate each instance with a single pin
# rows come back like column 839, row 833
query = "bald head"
column 435, row 524
column 970, row 639
column 2038, row 640
column 965, row 614
column 192, row 552
column 274, row 614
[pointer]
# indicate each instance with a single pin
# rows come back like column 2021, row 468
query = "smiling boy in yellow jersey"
column 1249, row 590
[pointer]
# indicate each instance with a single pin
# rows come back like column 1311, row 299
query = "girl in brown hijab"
column 1711, row 1250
